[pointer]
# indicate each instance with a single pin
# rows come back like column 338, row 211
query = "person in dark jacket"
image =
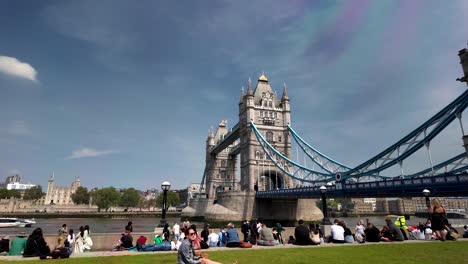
column 301, row 233
column 36, row 246
column 245, row 230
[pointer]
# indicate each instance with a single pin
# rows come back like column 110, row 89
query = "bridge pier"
column 238, row 206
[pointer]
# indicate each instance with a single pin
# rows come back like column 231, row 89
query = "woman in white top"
column 359, row 234
column 79, row 242
column 71, row 238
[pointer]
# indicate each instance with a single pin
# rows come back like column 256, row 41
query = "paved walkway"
column 255, row 247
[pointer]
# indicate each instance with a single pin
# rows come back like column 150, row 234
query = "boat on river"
column 6, row 222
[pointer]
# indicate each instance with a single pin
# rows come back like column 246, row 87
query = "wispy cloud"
column 13, row 67
column 88, row 153
column 19, row 128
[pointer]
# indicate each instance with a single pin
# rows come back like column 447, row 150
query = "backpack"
column 224, row 238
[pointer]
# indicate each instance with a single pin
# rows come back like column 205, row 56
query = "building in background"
column 14, row 183
column 60, row 194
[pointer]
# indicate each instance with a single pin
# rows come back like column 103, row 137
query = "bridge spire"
column 242, row 95
column 249, row 88
column 285, row 93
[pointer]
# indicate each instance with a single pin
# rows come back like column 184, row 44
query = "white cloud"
column 12, row 66
column 89, row 152
column 19, row 128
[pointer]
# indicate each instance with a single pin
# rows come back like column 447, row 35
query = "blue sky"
column 122, row 93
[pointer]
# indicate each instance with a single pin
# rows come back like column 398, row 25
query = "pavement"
column 254, row 247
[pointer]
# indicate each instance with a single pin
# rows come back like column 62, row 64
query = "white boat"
column 26, row 222
column 8, row 222
column 15, row 222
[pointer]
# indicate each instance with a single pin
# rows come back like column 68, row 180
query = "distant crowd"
column 186, row 239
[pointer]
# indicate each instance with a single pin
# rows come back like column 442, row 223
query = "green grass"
column 436, row 252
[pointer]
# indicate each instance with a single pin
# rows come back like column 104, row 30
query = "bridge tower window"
column 269, row 136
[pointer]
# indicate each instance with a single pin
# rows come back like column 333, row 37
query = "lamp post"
column 426, row 193
column 325, row 220
column 165, row 186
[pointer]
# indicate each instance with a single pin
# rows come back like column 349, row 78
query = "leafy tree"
column 130, row 198
column 333, row 204
column 81, row 196
column 172, row 199
column 6, row 194
column 105, row 198
column 33, row 193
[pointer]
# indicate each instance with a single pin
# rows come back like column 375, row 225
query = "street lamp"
column 325, row 220
column 165, row 186
column 426, row 193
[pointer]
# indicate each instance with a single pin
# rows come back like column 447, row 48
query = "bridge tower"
column 272, row 116
column 221, row 168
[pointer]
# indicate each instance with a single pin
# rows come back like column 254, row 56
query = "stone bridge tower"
column 271, row 116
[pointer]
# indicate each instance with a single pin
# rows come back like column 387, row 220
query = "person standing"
column 176, row 231
column 245, row 230
column 280, row 229
column 438, row 219
column 205, row 233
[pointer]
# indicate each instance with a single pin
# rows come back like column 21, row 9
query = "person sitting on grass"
column 266, row 236
column 36, row 246
column 336, row 233
column 301, row 233
column 372, row 233
column 392, row 233
column 233, row 236
column 186, row 253
column 17, row 245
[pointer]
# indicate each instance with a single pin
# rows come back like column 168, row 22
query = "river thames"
column 147, row 225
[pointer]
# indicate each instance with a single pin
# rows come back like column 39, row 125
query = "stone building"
column 60, row 194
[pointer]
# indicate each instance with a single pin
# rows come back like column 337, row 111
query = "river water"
column 147, row 225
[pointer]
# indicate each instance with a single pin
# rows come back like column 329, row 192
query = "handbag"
column 453, row 234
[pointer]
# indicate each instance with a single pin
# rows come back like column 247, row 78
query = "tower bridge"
column 251, row 169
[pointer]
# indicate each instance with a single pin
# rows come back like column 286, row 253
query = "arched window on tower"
column 269, row 136
column 270, row 103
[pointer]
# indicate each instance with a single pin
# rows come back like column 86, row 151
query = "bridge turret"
column 463, row 54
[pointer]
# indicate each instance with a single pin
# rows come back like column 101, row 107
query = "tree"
column 172, row 199
column 106, row 198
column 130, row 198
column 81, row 196
column 33, row 193
column 7, row 194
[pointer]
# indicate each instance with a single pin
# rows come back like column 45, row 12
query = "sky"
column 122, row 93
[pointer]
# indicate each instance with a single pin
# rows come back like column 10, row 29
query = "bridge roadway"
column 440, row 185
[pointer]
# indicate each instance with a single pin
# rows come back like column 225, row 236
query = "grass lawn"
column 435, row 252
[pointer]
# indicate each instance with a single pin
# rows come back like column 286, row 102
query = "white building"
column 60, row 194
column 14, row 183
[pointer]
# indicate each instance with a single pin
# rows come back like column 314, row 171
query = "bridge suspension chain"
column 289, row 167
column 413, row 141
